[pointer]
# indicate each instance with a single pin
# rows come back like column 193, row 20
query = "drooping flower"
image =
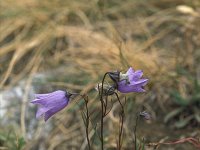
column 131, row 81
column 114, row 76
column 145, row 115
column 107, row 89
column 51, row 103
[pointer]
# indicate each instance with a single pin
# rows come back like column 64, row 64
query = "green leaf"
column 143, row 145
column 2, row 137
column 84, row 118
column 21, row 143
column 181, row 71
column 196, row 98
column 196, row 87
column 183, row 122
column 172, row 114
column 179, row 99
column 197, row 117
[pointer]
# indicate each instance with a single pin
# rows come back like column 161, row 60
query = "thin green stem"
column 87, row 122
column 135, row 132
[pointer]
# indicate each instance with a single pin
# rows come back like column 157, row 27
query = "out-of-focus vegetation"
column 9, row 140
column 186, row 112
column 73, row 43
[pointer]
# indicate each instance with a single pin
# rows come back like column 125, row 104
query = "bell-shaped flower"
column 51, row 103
column 131, row 81
column 107, row 89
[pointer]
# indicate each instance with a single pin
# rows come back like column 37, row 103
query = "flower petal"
column 141, row 82
column 130, row 71
column 54, row 110
column 135, row 76
column 128, row 89
column 41, row 110
column 40, row 96
column 50, row 103
column 133, row 86
column 35, row 101
column 50, row 100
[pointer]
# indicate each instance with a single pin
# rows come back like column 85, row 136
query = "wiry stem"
column 87, row 122
column 106, row 102
column 102, row 115
column 135, row 132
column 121, row 122
column 102, row 110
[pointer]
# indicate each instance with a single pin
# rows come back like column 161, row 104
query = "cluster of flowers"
column 51, row 103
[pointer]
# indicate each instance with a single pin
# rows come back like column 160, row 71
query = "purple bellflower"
column 131, row 81
column 51, row 103
column 145, row 115
column 107, row 89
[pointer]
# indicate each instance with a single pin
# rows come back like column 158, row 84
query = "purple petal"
column 35, row 101
column 50, row 100
column 44, row 96
column 146, row 115
column 50, row 103
column 141, row 82
column 135, row 83
column 139, row 90
column 41, row 110
column 128, row 89
column 130, row 71
column 54, row 110
column 124, row 87
column 40, row 96
column 135, row 76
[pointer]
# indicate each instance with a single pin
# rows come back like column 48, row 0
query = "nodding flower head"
column 145, row 115
column 114, row 75
column 131, row 81
column 107, row 89
column 51, row 103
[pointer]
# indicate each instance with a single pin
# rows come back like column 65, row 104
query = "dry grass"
column 91, row 38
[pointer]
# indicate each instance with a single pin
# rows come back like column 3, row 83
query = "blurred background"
column 50, row 45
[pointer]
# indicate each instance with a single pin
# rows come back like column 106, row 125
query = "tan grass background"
column 92, row 37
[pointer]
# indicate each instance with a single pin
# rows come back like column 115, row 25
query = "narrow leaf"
column 172, row 114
